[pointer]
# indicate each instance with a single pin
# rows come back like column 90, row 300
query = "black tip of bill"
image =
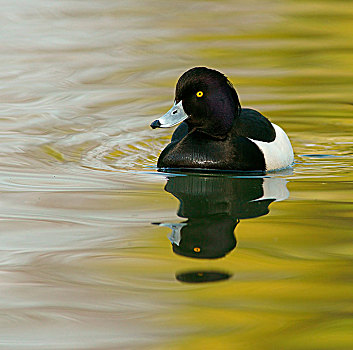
column 155, row 124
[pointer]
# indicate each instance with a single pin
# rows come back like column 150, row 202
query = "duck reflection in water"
column 213, row 206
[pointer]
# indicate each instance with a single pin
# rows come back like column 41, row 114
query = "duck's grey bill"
column 173, row 117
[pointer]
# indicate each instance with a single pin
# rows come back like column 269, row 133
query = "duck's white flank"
column 278, row 153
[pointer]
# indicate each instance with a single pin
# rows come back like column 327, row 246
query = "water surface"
column 100, row 251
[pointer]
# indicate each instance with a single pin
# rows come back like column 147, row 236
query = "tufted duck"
column 216, row 133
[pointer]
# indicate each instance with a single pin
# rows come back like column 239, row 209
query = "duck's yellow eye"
column 199, row 94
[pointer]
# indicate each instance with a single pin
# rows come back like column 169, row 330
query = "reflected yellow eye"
column 197, row 250
column 199, row 94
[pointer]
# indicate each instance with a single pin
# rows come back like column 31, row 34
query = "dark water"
column 100, row 251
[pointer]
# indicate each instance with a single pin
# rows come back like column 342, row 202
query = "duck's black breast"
column 198, row 150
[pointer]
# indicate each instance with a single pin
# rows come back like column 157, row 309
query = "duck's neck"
column 220, row 122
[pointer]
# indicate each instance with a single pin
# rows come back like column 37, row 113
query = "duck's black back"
column 254, row 125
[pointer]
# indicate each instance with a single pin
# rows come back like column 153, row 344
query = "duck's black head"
column 206, row 100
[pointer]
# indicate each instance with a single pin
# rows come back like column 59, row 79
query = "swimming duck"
column 215, row 132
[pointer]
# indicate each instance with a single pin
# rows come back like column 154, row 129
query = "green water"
column 86, row 262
